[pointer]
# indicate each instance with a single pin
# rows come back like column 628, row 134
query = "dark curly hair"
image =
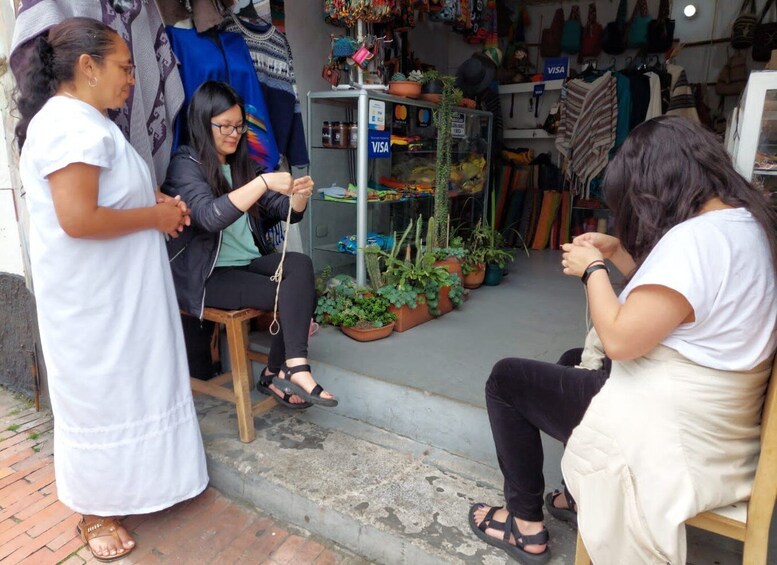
column 664, row 173
column 50, row 59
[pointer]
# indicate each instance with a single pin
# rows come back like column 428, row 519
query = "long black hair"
column 51, row 59
column 211, row 99
column 664, row 173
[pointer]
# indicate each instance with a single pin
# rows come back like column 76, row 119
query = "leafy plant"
column 415, row 76
column 430, row 75
column 343, row 303
column 415, row 280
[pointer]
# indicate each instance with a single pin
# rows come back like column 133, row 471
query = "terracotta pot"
column 431, row 97
column 410, row 317
column 467, row 103
column 408, row 88
column 368, row 334
column 475, row 278
column 444, row 304
column 452, row 264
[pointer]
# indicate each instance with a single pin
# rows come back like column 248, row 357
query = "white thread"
column 275, row 326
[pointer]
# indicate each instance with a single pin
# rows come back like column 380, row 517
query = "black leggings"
column 523, row 397
column 231, row 288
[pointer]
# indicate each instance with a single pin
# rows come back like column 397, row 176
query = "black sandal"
column 288, row 387
column 516, row 551
column 263, row 386
column 563, row 514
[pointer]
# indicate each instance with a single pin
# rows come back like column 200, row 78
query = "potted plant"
column 358, row 312
column 431, row 86
column 417, row 289
column 408, row 86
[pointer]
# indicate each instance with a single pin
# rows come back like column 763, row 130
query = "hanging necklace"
column 73, row 96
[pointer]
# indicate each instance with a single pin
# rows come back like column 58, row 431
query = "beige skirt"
column 663, row 440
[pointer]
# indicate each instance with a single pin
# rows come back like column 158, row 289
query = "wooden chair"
column 747, row 521
column 240, row 357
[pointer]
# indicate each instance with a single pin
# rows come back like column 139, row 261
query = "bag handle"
column 574, row 13
column 622, row 9
column 641, row 7
column 766, row 9
column 744, row 7
column 663, row 11
column 591, row 14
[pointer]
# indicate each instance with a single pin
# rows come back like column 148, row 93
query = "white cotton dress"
column 126, row 434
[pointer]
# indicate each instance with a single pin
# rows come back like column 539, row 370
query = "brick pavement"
column 37, row 529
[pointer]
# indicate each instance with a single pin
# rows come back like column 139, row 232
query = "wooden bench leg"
column 237, row 337
column 581, row 553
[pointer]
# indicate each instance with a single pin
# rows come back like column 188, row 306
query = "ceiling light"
column 689, row 10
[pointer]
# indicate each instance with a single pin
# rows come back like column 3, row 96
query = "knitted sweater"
column 271, row 56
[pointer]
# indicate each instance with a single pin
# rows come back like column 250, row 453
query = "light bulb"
column 689, row 10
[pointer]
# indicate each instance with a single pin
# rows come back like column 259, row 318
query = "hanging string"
column 275, row 326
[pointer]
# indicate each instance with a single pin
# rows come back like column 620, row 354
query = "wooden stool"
column 240, row 357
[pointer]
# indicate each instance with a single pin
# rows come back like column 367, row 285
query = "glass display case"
column 373, row 157
column 751, row 137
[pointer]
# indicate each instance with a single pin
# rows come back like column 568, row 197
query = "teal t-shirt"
column 237, row 243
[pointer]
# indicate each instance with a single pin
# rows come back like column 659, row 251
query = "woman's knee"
column 500, row 373
column 298, row 265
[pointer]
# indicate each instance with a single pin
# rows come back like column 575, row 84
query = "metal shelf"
column 522, row 133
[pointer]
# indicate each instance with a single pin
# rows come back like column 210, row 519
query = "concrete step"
column 387, row 498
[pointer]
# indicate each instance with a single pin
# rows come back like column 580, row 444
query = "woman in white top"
column 674, row 431
column 126, row 435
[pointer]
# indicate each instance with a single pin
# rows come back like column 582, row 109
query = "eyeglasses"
column 227, row 129
column 129, row 70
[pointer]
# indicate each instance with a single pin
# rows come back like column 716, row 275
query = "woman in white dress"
column 126, row 435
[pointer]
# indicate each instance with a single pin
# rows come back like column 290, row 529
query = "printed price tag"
column 458, row 124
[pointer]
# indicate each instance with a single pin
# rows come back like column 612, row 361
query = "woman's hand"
column 186, row 220
column 303, row 187
column 170, row 217
column 607, row 244
column 578, row 256
column 278, row 182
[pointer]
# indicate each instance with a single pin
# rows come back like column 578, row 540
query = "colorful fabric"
column 271, row 56
column 681, row 101
column 348, row 243
column 224, row 56
column 147, row 117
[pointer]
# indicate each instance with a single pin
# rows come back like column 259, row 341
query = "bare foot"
column 560, row 501
column 108, row 545
column 304, row 378
column 525, row 528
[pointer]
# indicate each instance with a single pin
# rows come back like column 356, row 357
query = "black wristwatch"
column 593, row 268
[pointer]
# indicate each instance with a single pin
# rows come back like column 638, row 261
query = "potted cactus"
column 406, row 85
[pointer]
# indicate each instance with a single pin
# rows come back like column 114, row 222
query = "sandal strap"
column 264, row 378
column 317, row 390
column 521, row 539
column 489, row 522
column 289, row 371
column 98, row 528
column 570, row 500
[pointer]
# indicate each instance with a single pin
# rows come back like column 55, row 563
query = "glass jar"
column 326, row 134
column 343, row 135
column 353, row 135
column 337, row 134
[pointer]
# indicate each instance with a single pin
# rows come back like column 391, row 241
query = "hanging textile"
column 147, row 117
column 271, row 56
column 224, row 56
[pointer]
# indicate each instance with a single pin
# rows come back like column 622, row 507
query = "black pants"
column 523, row 397
column 231, row 288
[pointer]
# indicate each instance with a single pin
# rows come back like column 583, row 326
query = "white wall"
column 12, row 212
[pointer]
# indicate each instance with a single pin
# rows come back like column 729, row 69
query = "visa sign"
column 555, row 68
column 378, row 144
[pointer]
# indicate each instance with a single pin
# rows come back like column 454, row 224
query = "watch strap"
column 592, row 269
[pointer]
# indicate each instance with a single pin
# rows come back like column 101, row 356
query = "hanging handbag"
column 550, row 42
column 614, row 35
column 765, row 37
column 660, row 33
column 743, row 28
column 638, row 25
column 573, row 31
column 732, row 77
column 591, row 44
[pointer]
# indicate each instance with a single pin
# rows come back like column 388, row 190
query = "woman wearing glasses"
column 126, row 435
column 224, row 259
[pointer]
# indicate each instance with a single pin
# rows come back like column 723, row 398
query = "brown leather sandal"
column 102, row 527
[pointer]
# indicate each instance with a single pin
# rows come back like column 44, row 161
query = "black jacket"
column 193, row 253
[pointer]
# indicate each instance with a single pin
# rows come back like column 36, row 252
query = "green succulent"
column 416, row 76
column 398, row 76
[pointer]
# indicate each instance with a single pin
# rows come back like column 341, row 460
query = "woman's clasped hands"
column 172, row 214
column 586, row 249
